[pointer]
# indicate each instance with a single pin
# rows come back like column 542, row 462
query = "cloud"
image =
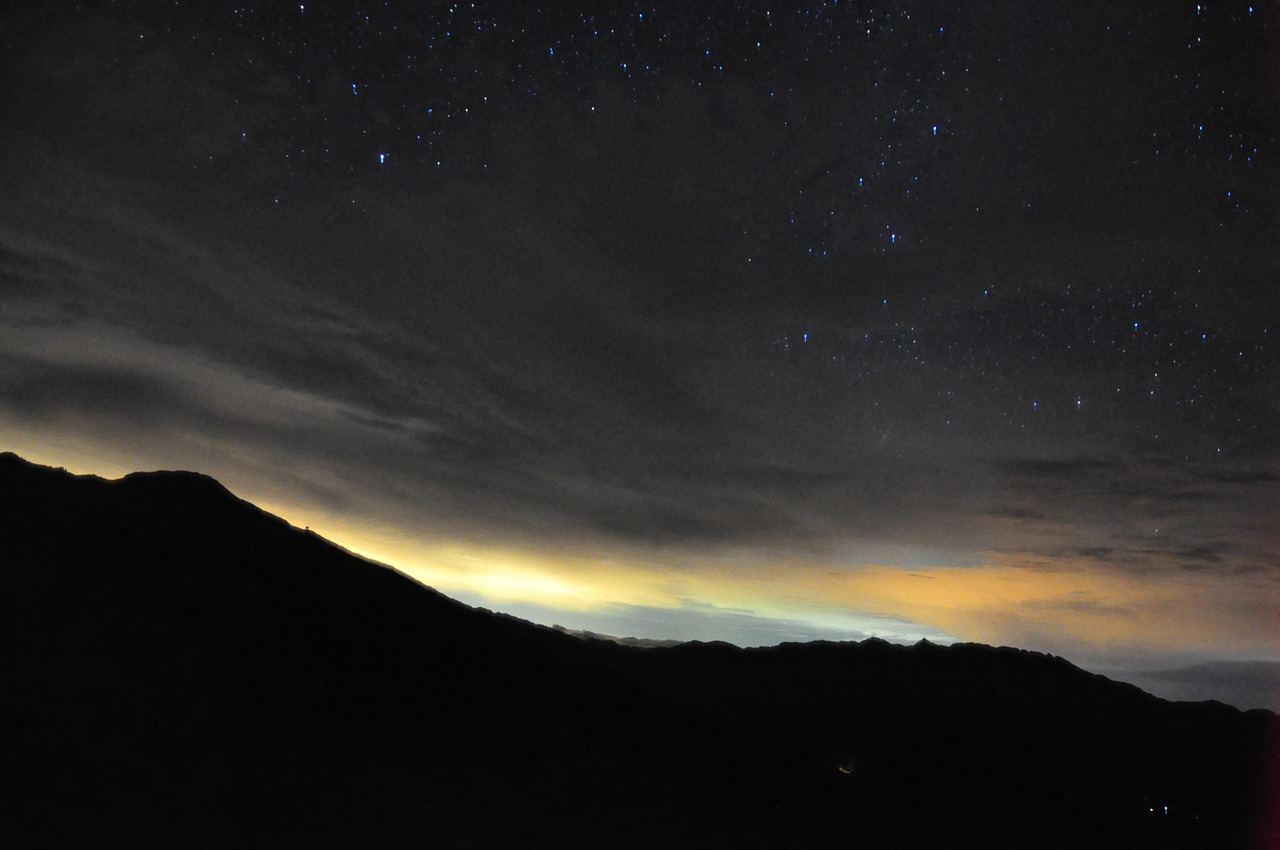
column 577, row 351
column 41, row 391
column 1246, row 685
column 1096, row 553
column 1212, row 553
column 497, row 378
column 1134, row 512
column 1076, row 468
column 1242, row 476
column 1082, row 606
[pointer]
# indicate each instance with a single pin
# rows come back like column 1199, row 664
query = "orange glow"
column 1074, row 604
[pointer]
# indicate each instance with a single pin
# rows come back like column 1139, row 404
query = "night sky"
column 741, row 321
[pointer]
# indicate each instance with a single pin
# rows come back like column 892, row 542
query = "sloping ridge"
column 187, row 670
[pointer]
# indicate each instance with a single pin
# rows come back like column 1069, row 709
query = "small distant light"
column 382, row 158
column 354, row 90
column 935, row 129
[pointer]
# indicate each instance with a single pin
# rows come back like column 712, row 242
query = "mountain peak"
column 178, row 481
column 10, row 462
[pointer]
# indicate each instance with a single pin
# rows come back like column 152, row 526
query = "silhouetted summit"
column 185, row 670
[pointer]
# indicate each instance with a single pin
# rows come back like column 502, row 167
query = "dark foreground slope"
column 186, row 670
column 182, row 669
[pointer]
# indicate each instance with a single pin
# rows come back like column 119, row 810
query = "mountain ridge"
column 188, row 667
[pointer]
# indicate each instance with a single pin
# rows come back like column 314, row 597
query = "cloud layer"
column 725, row 324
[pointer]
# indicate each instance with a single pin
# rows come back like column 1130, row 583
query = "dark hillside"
column 973, row 740
column 183, row 666
column 183, row 669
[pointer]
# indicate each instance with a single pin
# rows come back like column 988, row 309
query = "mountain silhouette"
column 182, row 669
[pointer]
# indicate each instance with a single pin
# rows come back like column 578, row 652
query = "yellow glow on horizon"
column 1080, row 604
column 502, row 574
column 75, row 457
